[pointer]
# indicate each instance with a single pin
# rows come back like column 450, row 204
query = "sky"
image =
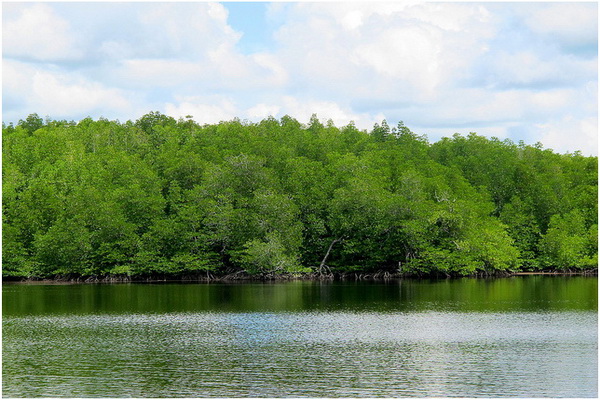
column 522, row 71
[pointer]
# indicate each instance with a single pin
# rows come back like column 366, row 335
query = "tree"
column 32, row 123
column 568, row 244
column 65, row 248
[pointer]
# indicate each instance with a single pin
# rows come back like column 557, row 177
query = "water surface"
column 528, row 336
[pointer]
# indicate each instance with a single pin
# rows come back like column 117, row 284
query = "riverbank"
column 245, row 277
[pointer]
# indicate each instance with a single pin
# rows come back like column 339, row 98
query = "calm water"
column 515, row 337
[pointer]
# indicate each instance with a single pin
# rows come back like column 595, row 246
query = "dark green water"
column 528, row 336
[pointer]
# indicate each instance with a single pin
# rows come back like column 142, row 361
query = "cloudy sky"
column 524, row 71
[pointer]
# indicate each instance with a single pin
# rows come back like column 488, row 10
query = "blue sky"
column 524, row 71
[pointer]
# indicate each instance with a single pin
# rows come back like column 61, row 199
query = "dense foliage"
column 166, row 196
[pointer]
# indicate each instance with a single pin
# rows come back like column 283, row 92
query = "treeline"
column 172, row 197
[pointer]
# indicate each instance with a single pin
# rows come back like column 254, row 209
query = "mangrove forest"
column 160, row 196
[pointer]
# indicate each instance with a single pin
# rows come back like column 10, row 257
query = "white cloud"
column 274, row 72
column 454, row 17
column 38, row 33
column 60, row 95
column 529, row 68
column 411, row 54
column 570, row 134
column 213, row 109
column 224, row 70
column 153, row 73
column 187, row 48
column 382, row 49
column 478, row 105
column 262, row 111
column 352, row 19
column 204, row 110
column 569, row 23
column 303, row 109
column 187, row 30
column 16, row 77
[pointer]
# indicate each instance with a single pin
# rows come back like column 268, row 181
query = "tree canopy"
column 166, row 196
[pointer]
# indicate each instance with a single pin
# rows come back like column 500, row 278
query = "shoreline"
column 381, row 276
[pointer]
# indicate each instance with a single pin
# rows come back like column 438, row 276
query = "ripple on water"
column 315, row 354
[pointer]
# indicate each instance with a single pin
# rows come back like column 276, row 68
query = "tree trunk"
column 323, row 265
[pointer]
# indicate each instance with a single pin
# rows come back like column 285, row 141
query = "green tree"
column 65, row 248
column 568, row 244
column 32, row 123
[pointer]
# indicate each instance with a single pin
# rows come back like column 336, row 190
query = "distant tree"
column 32, row 123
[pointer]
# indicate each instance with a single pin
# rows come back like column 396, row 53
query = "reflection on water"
column 532, row 293
column 342, row 340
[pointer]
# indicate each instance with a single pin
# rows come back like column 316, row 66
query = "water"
column 515, row 337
